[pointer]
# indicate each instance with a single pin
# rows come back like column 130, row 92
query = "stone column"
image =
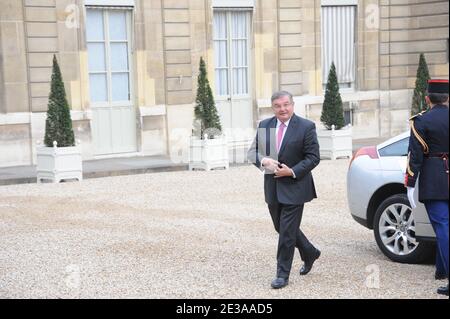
column 13, row 63
column 15, row 145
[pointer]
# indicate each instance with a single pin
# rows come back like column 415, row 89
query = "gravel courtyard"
column 187, row 235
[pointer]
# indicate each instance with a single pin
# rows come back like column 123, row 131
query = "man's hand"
column 284, row 171
column 411, row 197
column 270, row 164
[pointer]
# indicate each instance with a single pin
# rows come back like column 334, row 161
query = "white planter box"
column 59, row 163
column 208, row 154
column 335, row 143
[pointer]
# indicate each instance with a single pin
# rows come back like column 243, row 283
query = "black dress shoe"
column 440, row 276
column 309, row 264
column 278, row 283
column 443, row 291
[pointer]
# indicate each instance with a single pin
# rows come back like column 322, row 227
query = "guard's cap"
column 438, row 86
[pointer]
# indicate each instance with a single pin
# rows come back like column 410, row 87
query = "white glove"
column 269, row 164
column 411, row 197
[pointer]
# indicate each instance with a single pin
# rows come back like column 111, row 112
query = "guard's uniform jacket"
column 428, row 154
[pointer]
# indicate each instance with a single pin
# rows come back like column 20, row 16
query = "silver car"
column 377, row 200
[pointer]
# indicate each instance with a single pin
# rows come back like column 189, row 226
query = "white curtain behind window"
column 338, row 42
column 231, row 41
column 97, row 56
column 109, row 70
column 221, row 52
column 239, row 47
column 120, row 83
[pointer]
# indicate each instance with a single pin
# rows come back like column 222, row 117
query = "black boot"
column 279, row 282
column 443, row 290
column 306, row 268
column 440, row 276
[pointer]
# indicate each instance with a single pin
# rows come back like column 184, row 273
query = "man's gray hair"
column 281, row 94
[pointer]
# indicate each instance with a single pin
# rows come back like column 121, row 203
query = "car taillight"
column 370, row 151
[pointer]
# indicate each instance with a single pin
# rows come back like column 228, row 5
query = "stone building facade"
column 130, row 66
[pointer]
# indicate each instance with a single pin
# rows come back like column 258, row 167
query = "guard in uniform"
column 428, row 160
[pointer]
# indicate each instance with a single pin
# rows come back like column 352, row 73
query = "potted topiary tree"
column 336, row 140
column 208, row 146
column 423, row 75
column 59, row 159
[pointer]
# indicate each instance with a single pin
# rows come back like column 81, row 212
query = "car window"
column 399, row 148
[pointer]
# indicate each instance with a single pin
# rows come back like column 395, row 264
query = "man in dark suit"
column 286, row 149
column 428, row 162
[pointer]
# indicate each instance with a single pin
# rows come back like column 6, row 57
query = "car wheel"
column 394, row 229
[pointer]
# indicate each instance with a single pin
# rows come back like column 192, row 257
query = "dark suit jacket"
column 299, row 151
column 428, row 141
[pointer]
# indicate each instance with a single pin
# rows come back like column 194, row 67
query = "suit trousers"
column 286, row 220
column 438, row 214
